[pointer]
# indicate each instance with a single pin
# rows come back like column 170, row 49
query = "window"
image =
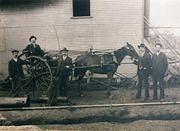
column 81, row 8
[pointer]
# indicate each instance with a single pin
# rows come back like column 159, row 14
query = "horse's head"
column 131, row 51
column 127, row 50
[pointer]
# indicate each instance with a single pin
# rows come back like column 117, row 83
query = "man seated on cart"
column 33, row 48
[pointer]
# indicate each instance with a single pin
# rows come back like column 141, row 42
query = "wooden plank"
column 92, row 106
column 45, row 99
column 14, row 102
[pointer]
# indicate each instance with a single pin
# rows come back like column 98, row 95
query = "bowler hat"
column 142, row 45
column 65, row 49
column 14, row 51
column 32, row 37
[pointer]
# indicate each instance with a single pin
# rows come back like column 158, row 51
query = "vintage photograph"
column 110, row 65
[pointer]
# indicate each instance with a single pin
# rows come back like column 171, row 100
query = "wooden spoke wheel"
column 37, row 76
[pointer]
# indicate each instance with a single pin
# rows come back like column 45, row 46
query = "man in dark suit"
column 64, row 71
column 159, row 68
column 61, row 84
column 15, row 72
column 144, row 67
column 33, row 48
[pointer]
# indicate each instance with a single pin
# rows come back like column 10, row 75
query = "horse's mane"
column 120, row 54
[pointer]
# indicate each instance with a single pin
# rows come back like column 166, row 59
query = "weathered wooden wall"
column 112, row 23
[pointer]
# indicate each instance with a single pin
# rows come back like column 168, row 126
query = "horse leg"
column 80, row 88
column 80, row 80
column 110, row 76
column 88, row 75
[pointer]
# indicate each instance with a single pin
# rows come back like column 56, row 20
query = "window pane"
column 81, row 7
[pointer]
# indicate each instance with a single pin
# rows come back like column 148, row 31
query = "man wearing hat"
column 64, row 71
column 143, row 71
column 15, row 71
column 33, row 48
column 159, row 68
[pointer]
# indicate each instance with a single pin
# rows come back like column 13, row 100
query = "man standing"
column 144, row 67
column 33, row 48
column 15, row 72
column 64, row 71
column 159, row 68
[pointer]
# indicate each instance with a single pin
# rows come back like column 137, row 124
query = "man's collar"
column 15, row 59
column 142, row 53
column 158, row 53
column 34, row 44
column 64, row 57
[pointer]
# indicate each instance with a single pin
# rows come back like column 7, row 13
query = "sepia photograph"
column 90, row 65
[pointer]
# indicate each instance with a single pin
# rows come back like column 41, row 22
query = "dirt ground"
column 20, row 128
column 142, row 125
column 155, row 118
column 123, row 96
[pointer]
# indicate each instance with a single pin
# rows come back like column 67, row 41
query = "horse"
column 106, row 63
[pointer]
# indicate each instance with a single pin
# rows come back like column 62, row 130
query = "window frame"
column 81, row 16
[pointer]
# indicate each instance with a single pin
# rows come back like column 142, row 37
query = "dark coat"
column 159, row 65
column 36, row 51
column 63, row 63
column 15, row 68
column 62, row 78
column 144, row 64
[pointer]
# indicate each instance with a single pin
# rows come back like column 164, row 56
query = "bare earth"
column 142, row 125
column 20, row 128
column 155, row 118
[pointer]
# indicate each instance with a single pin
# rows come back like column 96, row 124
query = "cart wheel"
column 41, row 74
column 37, row 76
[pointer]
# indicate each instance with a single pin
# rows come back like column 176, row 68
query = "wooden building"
column 75, row 24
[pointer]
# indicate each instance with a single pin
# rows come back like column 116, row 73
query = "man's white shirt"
column 15, row 59
column 64, row 58
column 158, row 53
column 34, row 44
column 141, row 54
